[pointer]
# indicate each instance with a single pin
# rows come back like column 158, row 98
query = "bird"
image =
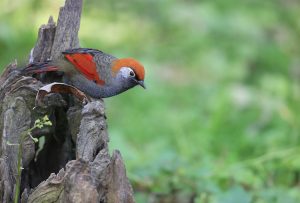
column 97, row 74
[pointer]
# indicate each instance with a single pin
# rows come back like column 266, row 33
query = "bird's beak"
column 141, row 83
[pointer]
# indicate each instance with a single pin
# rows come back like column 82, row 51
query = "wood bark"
column 74, row 164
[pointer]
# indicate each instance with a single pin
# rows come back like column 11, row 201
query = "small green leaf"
column 37, row 121
column 45, row 118
column 49, row 123
column 35, row 139
column 11, row 144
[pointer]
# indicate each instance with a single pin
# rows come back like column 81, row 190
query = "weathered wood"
column 43, row 46
column 74, row 164
column 66, row 35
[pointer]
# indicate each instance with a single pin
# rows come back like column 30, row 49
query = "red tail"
column 39, row 68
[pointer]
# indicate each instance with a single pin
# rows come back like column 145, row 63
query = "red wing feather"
column 84, row 63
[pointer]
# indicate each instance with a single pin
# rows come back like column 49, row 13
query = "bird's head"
column 131, row 70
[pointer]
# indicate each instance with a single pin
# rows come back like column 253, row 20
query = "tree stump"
column 71, row 162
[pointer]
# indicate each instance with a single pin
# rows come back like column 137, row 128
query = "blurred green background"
column 220, row 120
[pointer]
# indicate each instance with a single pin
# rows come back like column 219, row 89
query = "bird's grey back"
column 104, row 66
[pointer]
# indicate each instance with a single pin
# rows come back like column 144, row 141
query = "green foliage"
column 39, row 123
column 220, row 118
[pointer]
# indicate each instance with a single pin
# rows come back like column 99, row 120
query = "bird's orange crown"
column 136, row 66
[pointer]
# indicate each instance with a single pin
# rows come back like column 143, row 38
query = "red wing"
column 84, row 63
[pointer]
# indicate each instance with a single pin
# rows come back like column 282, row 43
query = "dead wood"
column 74, row 164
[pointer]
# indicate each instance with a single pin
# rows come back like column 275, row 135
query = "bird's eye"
column 131, row 73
